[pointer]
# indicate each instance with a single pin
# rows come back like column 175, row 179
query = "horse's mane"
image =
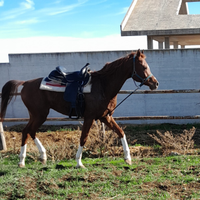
column 111, row 67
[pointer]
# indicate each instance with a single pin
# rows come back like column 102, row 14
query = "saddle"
column 74, row 81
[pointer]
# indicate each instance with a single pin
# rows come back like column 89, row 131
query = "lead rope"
column 138, row 87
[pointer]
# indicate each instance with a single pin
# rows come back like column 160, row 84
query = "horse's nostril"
column 157, row 84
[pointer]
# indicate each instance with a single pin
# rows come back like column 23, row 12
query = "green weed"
column 146, row 178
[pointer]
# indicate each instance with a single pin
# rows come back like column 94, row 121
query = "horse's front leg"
column 42, row 150
column 85, row 131
column 111, row 123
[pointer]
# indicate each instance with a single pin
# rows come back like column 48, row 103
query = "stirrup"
column 70, row 113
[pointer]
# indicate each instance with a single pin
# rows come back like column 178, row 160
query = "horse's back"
column 40, row 101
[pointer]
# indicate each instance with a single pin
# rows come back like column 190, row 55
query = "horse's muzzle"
column 153, row 83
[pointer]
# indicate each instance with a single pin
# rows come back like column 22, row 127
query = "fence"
column 2, row 137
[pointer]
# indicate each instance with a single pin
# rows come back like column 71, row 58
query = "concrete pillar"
column 2, row 138
column 160, row 45
column 175, row 45
column 149, row 42
column 167, row 45
column 182, row 46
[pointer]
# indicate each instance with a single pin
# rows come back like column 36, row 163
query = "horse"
column 99, row 103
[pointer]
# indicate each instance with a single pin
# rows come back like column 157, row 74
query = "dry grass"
column 106, row 143
column 65, row 148
column 100, row 143
column 181, row 143
column 63, row 144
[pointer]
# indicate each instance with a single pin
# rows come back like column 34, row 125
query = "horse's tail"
column 9, row 90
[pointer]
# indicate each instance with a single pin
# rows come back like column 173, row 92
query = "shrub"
column 181, row 142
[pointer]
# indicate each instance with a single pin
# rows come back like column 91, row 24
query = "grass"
column 153, row 175
column 172, row 177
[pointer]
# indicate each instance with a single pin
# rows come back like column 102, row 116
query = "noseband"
column 135, row 74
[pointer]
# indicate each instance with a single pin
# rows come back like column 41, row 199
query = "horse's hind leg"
column 22, row 154
column 111, row 123
column 38, row 121
column 31, row 128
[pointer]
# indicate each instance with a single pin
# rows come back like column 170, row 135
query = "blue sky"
column 194, row 7
column 64, row 18
column 32, row 26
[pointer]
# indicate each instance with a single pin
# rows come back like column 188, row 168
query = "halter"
column 135, row 74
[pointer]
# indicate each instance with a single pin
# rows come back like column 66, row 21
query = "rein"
column 138, row 87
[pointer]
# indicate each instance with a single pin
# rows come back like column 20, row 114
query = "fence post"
column 2, row 138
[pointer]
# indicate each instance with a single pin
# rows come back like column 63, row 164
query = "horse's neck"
column 115, row 82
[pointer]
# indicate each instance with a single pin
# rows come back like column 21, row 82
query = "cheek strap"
column 135, row 73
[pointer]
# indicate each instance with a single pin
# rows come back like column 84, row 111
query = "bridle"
column 134, row 73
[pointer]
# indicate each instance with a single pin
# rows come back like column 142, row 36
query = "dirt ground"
column 59, row 136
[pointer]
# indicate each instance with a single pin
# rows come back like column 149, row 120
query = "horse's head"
column 141, row 71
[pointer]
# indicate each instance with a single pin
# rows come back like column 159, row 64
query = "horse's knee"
column 32, row 135
column 83, row 141
column 24, row 139
column 111, row 123
column 121, row 135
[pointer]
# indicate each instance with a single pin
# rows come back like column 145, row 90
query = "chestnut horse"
column 99, row 104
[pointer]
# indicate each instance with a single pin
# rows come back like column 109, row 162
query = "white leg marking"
column 79, row 156
column 41, row 149
column 127, row 155
column 22, row 156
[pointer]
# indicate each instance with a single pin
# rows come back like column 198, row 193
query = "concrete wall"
column 174, row 69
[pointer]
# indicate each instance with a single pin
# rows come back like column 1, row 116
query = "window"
column 194, row 8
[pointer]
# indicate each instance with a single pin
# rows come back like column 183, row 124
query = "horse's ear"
column 142, row 51
column 138, row 53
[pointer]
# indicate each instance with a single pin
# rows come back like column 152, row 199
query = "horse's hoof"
column 80, row 166
column 128, row 162
column 21, row 165
column 43, row 161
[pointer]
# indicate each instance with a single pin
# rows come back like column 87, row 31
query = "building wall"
column 174, row 69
